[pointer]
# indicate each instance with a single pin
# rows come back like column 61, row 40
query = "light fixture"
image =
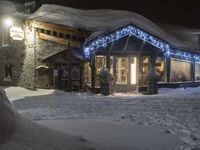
column 8, row 22
column 131, row 30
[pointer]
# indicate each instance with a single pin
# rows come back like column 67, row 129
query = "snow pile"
column 103, row 21
column 7, row 119
column 19, row 133
column 7, row 7
column 14, row 93
column 175, row 110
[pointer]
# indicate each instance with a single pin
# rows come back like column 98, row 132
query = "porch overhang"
column 131, row 30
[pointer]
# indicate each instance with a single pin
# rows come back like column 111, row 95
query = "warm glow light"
column 133, row 72
column 8, row 22
column 102, row 41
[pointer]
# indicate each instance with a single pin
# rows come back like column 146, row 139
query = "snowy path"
column 116, row 136
column 177, row 112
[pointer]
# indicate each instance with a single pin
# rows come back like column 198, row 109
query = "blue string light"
column 131, row 30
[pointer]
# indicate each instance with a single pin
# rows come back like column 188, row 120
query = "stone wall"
column 34, row 54
column 11, row 55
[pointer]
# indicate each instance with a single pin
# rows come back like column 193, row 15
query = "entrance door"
column 76, row 77
column 121, row 70
column 126, row 70
column 133, row 68
column 60, row 76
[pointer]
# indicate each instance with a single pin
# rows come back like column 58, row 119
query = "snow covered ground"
column 176, row 111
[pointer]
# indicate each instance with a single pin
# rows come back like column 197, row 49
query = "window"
column 144, row 70
column 160, row 69
column 7, row 72
column 197, row 72
column 121, row 70
column 67, row 36
column 61, row 35
column 100, row 63
column 180, row 71
column 55, row 33
column 133, row 66
column 48, row 32
column 6, row 37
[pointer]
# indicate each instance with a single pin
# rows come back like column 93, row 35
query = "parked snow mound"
column 19, row 133
column 7, row 119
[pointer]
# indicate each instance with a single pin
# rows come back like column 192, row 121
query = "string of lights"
column 131, row 30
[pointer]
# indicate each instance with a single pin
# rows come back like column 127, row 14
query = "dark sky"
column 180, row 12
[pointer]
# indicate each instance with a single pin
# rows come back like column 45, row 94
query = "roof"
column 7, row 7
column 104, row 21
column 59, row 56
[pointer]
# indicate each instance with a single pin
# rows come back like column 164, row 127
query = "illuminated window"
column 100, row 63
column 160, row 69
column 133, row 70
column 6, row 37
column 7, row 72
column 121, row 70
column 111, row 65
column 180, row 71
column 197, row 72
column 144, row 70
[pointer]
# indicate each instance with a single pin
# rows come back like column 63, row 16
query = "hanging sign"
column 17, row 33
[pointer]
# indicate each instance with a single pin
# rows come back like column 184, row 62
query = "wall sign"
column 17, row 33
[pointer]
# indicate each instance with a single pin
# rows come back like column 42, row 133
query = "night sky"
column 179, row 12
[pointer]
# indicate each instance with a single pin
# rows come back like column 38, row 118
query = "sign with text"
column 17, row 33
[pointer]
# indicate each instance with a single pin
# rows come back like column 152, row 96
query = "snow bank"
column 19, row 133
column 7, row 7
column 7, row 119
column 14, row 93
column 117, row 136
column 103, row 21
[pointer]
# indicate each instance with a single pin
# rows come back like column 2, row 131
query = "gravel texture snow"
column 176, row 110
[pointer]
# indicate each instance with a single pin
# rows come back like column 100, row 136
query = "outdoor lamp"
column 8, row 22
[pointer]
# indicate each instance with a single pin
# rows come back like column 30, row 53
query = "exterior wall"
column 13, row 55
column 35, row 52
column 43, row 50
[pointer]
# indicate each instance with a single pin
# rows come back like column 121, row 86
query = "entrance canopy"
column 131, row 30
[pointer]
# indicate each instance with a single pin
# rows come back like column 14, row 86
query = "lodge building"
column 65, row 48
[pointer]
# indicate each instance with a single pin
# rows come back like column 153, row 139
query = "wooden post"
column 108, row 57
column 139, row 70
column 168, row 68
column 50, row 74
column 93, row 73
column 193, row 71
column 69, row 58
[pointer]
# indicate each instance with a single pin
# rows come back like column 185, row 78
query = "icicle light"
column 131, row 30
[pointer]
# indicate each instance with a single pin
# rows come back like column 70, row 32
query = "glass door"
column 133, row 68
column 121, row 70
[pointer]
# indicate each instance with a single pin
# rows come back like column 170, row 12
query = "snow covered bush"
column 106, row 80
column 152, row 79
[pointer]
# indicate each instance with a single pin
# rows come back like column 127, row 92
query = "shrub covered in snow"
column 106, row 79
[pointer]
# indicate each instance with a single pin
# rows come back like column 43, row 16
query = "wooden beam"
column 58, row 40
column 58, row 28
column 108, row 56
column 69, row 59
column 126, row 44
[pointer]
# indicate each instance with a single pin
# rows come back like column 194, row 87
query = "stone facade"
column 11, row 55
column 24, row 57
column 34, row 54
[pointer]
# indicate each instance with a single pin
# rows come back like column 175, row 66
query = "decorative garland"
column 131, row 30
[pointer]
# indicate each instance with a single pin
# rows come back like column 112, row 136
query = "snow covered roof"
column 104, row 21
column 7, row 7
